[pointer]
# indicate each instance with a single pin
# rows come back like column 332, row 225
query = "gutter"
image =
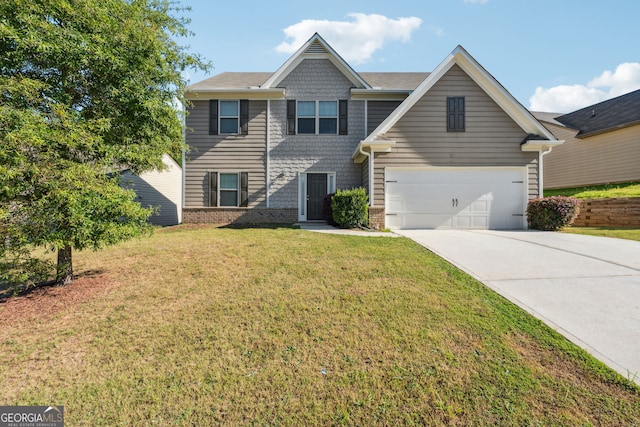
column 268, row 148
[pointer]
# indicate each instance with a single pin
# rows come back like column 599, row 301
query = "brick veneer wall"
column 621, row 212
column 376, row 217
column 239, row 216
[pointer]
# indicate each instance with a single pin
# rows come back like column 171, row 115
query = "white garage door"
column 455, row 198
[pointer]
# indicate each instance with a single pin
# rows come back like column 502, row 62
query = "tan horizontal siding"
column 609, row 157
column 491, row 137
column 224, row 153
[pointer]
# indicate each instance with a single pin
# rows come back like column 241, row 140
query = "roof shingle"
column 614, row 113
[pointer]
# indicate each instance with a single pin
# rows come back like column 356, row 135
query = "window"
column 228, row 189
column 306, row 117
column 228, row 117
column 229, row 113
column 455, row 114
column 317, row 117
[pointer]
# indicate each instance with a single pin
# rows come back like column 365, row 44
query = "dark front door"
column 316, row 190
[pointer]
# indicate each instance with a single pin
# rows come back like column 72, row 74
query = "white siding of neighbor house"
column 608, row 157
column 491, row 138
column 159, row 189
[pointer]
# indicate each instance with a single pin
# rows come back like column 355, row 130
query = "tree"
column 87, row 88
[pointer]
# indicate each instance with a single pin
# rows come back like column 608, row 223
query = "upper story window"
column 317, row 117
column 455, row 114
column 228, row 117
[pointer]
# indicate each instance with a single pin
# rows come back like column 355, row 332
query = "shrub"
column 552, row 213
column 350, row 208
column 327, row 212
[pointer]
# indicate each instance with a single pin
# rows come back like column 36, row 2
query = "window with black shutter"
column 455, row 114
column 291, row 117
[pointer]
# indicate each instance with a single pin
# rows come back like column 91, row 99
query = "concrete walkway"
column 322, row 227
column 585, row 287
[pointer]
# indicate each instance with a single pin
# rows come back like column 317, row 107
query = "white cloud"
column 477, row 1
column 355, row 40
column 565, row 98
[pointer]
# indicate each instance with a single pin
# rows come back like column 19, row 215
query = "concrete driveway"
column 585, row 287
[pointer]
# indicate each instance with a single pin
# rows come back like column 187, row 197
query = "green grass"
column 606, row 191
column 618, row 233
column 207, row 326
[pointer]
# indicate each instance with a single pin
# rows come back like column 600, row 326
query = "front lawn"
column 606, row 191
column 618, row 233
column 207, row 326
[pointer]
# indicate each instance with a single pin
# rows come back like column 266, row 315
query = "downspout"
column 370, row 160
column 268, row 140
column 184, row 159
column 540, row 172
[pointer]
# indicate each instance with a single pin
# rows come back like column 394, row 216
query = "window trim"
column 236, row 189
column 215, row 188
column 215, row 118
column 293, row 117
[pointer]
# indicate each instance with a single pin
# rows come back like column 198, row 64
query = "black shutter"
column 244, row 189
column 213, row 188
column 213, row 117
column 244, row 116
column 291, row 116
column 343, row 117
column 460, row 114
column 455, row 114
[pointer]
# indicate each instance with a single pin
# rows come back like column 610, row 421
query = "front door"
column 316, row 190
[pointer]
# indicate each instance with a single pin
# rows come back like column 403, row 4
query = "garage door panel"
column 468, row 198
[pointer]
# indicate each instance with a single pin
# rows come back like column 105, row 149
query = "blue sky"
column 552, row 55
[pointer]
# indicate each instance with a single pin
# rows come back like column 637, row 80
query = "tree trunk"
column 64, row 273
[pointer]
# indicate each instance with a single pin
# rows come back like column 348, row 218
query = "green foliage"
column 552, row 213
column 605, row 191
column 87, row 88
column 350, row 208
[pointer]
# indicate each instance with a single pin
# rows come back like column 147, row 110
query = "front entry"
column 316, row 190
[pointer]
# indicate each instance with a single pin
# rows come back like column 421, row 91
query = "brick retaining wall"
column 239, row 216
column 621, row 212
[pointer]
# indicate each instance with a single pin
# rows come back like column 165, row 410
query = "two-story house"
column 446, row 149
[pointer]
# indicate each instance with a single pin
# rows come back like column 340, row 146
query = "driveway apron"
column 585, row 287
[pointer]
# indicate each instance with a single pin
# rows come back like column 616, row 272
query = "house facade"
column 602, row 144
column 446, row 149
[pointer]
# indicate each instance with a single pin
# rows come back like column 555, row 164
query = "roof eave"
column 381, row 94
column 540, row 144
column 236, row 93
column 379, row 145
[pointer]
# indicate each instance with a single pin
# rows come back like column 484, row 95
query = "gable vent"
column 316, row 48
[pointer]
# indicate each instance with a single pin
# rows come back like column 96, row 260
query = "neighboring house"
column 446, row 149
column 602, row 144
column 159, row 189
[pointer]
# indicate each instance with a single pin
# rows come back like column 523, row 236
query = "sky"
column 551, row 55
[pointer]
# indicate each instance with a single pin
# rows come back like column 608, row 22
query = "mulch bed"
column 49, row 300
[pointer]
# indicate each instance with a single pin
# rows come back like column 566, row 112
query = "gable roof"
column 614, row 113
column 394, row 80
column 459, row 56
column 315, row 48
